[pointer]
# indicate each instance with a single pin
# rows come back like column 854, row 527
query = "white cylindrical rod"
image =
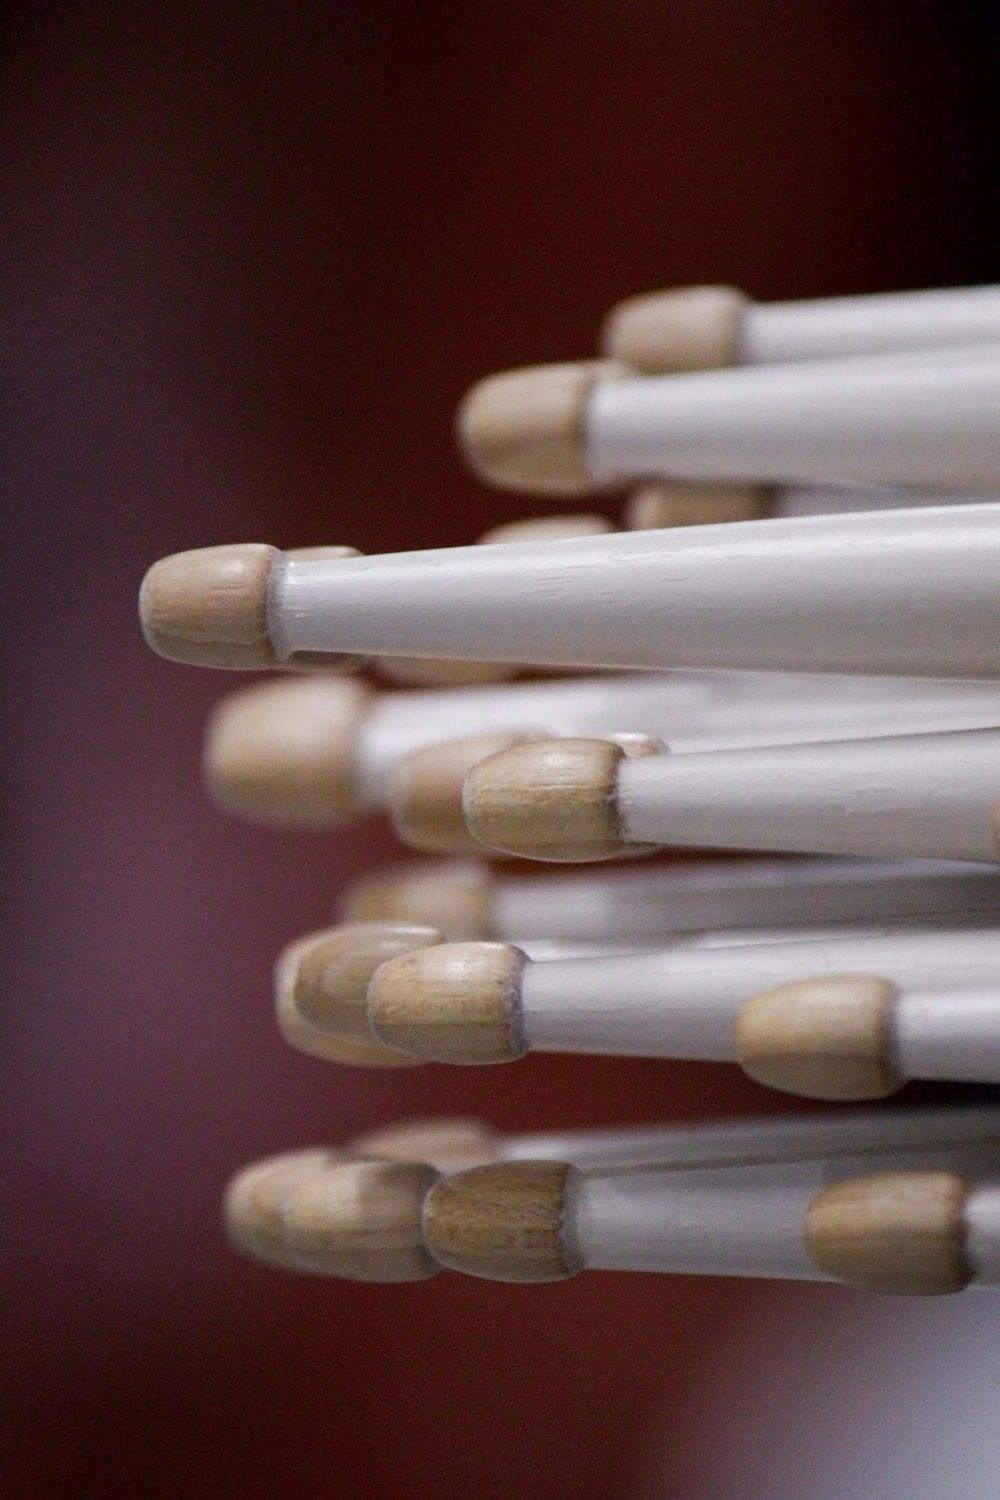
column 823, row 500
column 923, row 796
column 894, row 592
column 688, row 328
column 685, row 1002
column 953, row 1035
column 922, row 419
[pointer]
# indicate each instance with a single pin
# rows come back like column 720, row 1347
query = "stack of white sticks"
column 803, row 606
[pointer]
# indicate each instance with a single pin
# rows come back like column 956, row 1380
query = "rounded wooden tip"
column 458, row 1003
column 208, row 607
column 502, row 1222
column 448, row 1145
column 425, row 792
column 254, row 1199
column 828, row 1038
column 893, row 1232
column 321, row 984
column 690, row 328
column 453, row 897
column 283, row 752
column 362, row 1220
column 653, row 507
column 524, row 429
column 547, row 800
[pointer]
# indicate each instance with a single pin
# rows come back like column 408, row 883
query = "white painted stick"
column 698, row 327
column 823, row 500
column 926, row 419
column 922, row 796
column 893, row 592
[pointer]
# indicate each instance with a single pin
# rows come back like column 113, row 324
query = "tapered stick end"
column 503, row 1222
column 321, row 990
column 361, row 1220
column 458, row 1003
column 253, row 1203
column 425, row 793
column 690, row 328
column 208, row 607
column 547, row 800
column 455, row 897
column 893, row 1232
column 283, row 752
column 524, row 429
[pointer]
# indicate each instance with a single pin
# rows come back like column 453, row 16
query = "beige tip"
column 454, row 897
column 524, row 430
column 425, row 792
column 428, row 671
column 653, row 507
column 209, row 607
column 255, row 1197
column 548, row 529
column 321, row 984
column 459, row 1003
column 548, row 800
column 502, row 1222
column 283, row 752
column 689, row 328
column 893, row 1232
column 448, row 1145
column 362, row 1220
column 828, row 1038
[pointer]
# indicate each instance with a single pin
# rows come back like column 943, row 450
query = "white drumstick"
column 840, row 1016
column 910, row 593
column 469, row 901
column 924, row 1223
column 707, row 327
column 925, row 419
column 930, row 796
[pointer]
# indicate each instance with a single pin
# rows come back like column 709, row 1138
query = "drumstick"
column 344, row 1213
column 921, row 1223
column 923, row 419
column 842, row 1016
column 932, row 796
column 911, row 593
column 706, row 327
column 469, row 901
column 315, row 753
column 660, row 504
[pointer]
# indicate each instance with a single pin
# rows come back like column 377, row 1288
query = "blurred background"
column 254, row 255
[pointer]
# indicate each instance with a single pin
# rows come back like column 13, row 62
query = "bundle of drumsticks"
column 793, row 641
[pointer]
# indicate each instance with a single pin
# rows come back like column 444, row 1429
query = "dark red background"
column 255, row 254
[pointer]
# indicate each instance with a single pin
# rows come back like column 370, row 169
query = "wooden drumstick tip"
column 827, row 1038
column 425, row 792
column 253, row 1201
column 690, row 328
column 322, row 987
column 458, row 1003
column 362, row 1220
column 452, row 1145
column 283, row 752
column 893, row 1232
column 454, row 897
column 208, row 607
column 656, row 507
column 547, row 800
column 502, row 1222
column 524, row 429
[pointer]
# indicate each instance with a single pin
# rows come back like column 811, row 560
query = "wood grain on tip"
column 893, row 1232
column 305, row 1037
column 425, row 792
column 458, row 1003
column 547, row 800
column 454, row 897
column 685, row 329
column 361, row 1220
column 208, row 607
column 283, row 752
column 255, row 1197
column 524, row 429
column 502, row 1222
column 331, row 977
column 826, row 1038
